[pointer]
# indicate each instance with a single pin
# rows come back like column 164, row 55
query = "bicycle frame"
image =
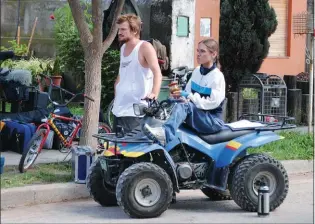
column 50, row 123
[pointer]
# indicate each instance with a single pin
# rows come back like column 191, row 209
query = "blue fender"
column 158, row 148
column 237, row 146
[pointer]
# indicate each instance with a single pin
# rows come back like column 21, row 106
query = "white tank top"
column 135, row 83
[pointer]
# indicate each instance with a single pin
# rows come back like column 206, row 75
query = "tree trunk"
column 94, row 48
column 93, row 61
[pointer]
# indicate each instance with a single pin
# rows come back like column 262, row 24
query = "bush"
column 68, row 45
column 110, row 69
column 245, row 26
column 71, row 54
column 34, row 65
column 18, row 49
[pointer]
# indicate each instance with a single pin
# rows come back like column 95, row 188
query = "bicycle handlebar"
column 72, row 94
column 89, row 98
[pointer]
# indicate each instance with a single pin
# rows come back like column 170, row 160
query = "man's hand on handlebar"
column 151, row 96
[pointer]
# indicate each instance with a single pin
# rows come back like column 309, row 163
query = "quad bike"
column 143, row 177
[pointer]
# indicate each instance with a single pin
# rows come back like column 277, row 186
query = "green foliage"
column 18, row 49
column 110, row 69
column 250, row 93
column 294, row 146
column 54, row 68
column 41, row 174
column 34, row 65
column 245, row 26
column 76, row 110
column 71, row 53
column 68, row 43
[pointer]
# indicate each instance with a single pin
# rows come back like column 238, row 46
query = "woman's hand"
column 181, row 93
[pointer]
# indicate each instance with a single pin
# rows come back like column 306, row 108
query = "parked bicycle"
column 39, row 138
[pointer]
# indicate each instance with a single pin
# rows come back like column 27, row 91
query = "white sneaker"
column 157, row 134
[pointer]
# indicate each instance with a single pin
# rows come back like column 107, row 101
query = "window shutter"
column 278, row 40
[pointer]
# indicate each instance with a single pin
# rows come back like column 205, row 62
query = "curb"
column 42, row 194
column 52, row 193
column 298, row 166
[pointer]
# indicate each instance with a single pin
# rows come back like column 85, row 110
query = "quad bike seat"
column 226, row 134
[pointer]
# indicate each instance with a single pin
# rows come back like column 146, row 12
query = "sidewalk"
column 46, row 156
column 301, row 129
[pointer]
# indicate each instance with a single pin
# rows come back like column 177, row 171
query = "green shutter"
column 182, row 26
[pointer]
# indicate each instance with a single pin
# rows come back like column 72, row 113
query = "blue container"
column 82, row 158
column 2, row 164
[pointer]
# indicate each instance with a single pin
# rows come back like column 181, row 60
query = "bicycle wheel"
column 110, row 115
column 103, row 128
column 33, row 149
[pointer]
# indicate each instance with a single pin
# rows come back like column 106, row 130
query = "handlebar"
column 89, row 98
column 154, row 106
column 72, row 94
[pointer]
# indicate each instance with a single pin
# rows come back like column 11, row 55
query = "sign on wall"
column 205, row 27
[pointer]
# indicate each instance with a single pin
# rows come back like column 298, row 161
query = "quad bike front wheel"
column 144, row 190
column 101, row 192
column 250, row 173
column 216, row 195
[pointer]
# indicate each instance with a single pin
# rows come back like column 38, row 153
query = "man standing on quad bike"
column 203, row 98
column 139, row 76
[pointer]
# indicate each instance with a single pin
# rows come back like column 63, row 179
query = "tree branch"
column 114, row 28
column 97, row 20
column 79, row 19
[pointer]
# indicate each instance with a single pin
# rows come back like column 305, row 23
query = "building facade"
column 287, row 51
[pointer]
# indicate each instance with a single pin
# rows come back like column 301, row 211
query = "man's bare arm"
column 152, row 60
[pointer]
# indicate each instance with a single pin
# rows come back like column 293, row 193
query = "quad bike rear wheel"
column 144, row 190
column 101, row 192
column 250, row 173
column 216, row 195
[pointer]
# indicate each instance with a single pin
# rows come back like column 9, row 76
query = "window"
column 182, row 26
column 279, row 39
column 205, row 27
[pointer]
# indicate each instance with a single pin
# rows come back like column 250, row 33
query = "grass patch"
column 295, row 146
column 39, row 174
column 77, row 110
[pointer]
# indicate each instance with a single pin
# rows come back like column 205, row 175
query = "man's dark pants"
column 127, row 123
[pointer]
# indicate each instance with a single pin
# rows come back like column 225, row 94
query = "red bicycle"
column 38, row 140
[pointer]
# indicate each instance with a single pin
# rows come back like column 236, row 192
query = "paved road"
column 191, row 207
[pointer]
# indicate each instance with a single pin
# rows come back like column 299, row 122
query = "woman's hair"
column 133, row 21
column 212, row 45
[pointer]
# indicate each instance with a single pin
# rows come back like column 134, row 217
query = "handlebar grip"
column 89, row 98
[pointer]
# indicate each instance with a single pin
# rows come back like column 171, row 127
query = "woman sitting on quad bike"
column 201, row 101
